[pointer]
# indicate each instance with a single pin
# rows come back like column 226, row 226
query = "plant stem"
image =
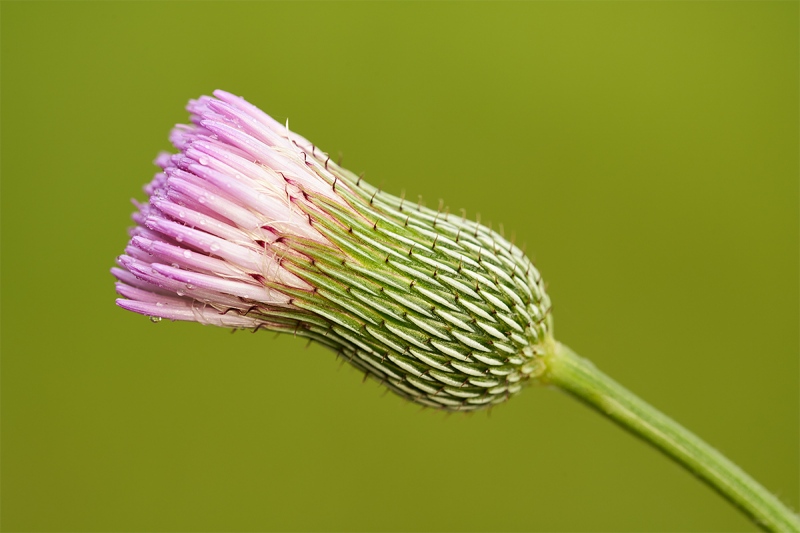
column 579, row 377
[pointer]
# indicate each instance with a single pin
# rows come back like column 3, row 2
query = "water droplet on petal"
column 155, row 319
column 179, row 238
column 181, row 214
column 214, row 247
column 187, row 254
column 180, row 292
column 203, row 161
column 189, row 286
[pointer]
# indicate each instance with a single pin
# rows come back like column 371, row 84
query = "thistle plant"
column 251, row 226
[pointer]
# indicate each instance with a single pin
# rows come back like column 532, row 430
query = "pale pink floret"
column 183, row 310
column 166, row 253
column 201, row 250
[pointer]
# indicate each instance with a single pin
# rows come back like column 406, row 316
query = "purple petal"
column 203, row 242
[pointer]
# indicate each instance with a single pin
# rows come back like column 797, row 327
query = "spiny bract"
column 252, row 226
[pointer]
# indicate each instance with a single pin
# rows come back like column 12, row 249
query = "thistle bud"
column 251, row 226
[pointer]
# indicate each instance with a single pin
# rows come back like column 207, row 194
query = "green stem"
column 579, row 377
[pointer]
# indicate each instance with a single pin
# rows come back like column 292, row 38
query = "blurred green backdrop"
column 647, row 153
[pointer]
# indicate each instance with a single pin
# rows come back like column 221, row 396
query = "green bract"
column 445, row 311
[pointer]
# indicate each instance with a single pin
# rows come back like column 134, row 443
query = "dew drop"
column 203, row 161
column 202, row 199
column 189, row 286
column 214, row 247
column 179, row 238
column 187, row 254
column 159, row 304
column 180, row 292
column 181, row 214
column 155, row 319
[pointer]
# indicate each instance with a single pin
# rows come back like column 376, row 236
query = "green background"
column 646, row 153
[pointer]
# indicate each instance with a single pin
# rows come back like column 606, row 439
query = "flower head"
column 251, row 226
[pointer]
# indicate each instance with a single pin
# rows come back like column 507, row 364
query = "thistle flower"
column 252, row 226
